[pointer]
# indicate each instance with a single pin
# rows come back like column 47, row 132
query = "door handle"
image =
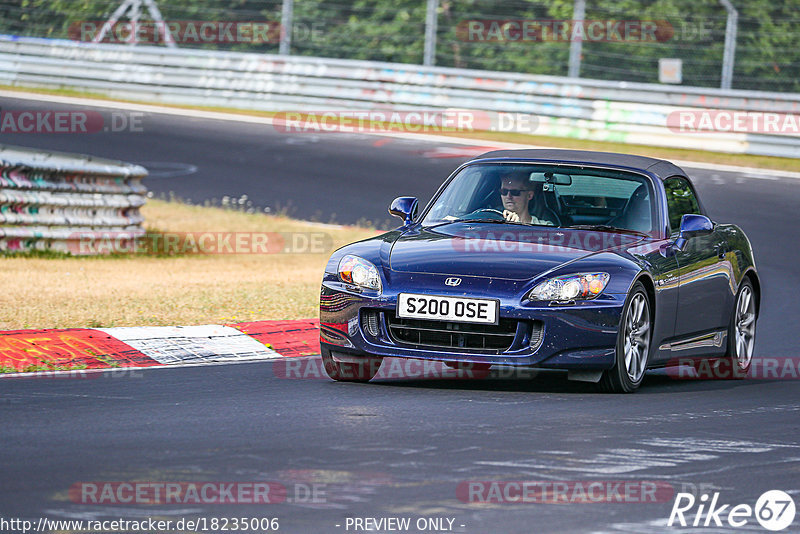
column 721, row 251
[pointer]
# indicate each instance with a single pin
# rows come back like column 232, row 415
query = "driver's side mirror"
column 693, row 225
column 405, row 208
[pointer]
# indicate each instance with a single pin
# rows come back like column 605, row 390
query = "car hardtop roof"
column 661, row 168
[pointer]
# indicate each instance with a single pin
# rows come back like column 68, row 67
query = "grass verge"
column 41, row 291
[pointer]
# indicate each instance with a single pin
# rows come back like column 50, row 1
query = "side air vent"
column 369, row 323
column 537, row 334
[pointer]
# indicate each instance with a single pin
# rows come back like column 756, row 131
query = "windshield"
column 535, row 194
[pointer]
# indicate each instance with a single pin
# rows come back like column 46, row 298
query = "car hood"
column 498, row 251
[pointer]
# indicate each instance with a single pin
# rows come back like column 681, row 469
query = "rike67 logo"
column 774, row 510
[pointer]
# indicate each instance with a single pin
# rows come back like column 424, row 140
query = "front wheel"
column 633, row 344
column 346, row 368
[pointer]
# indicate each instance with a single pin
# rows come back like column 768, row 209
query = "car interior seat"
column 637, row 213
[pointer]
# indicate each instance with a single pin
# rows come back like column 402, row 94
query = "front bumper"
column 578, row 336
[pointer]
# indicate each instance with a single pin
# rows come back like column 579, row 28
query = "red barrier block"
column 288, row 338
column 71, row 348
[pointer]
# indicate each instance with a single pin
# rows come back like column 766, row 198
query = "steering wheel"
column 487, row 210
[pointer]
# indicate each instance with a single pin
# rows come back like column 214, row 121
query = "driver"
column 517, row 193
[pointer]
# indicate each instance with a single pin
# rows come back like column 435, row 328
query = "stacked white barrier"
column 55, row 201
column 565, row 107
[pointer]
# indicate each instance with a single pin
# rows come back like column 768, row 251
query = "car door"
column 703, row 279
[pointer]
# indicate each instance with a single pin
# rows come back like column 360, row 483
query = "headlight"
column 359, row 272
column 583, row 286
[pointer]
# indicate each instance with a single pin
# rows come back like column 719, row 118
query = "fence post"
column 431, row 21
column 729, row 55
column 576, row 44
column 286, row 27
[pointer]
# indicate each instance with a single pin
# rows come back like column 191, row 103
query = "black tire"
column 361, row 371
column 741, row 335
column 633, row 344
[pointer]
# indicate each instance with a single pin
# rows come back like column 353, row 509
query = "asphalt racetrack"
column 399, row 448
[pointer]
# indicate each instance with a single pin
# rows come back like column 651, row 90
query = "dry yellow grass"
column 142, row 290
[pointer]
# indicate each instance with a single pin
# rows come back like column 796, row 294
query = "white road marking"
column 760, row 176
column 166, row 169
column 125, row 371
column 715, row 445
column 191, row 344
column 617, row 461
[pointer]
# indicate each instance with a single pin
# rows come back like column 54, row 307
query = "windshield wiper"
column 605, row 228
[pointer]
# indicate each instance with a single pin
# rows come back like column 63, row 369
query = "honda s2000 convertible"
column 602, row 265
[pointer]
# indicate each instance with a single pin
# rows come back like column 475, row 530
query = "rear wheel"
column 633, row 344
column 741, row 333
column 346, row 368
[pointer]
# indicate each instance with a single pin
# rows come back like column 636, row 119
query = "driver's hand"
column 511, row 216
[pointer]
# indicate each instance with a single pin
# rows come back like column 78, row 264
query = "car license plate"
column 459, row 309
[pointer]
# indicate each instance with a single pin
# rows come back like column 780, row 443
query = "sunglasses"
column 512, row 192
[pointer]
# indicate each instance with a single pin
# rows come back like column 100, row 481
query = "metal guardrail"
column 66, row 202
column 564, row 107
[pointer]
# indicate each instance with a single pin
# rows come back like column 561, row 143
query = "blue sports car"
column 599, row 264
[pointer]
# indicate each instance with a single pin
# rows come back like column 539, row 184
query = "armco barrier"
column 55, row 201
column 565, row 107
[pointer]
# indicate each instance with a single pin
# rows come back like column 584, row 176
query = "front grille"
column 420, row 332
